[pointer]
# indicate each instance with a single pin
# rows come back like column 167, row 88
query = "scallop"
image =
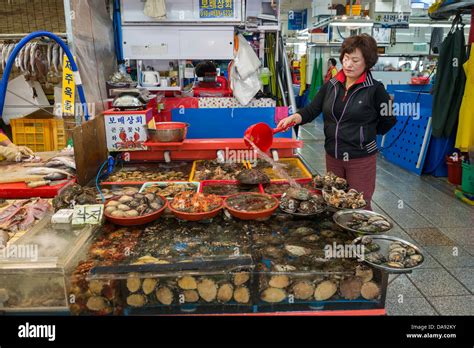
column 131, row 213
column 125, row 199
column 150, row 196
column 155, row 205
column 113, row 203
column 118, row 213
column 131, row 191
column 110, row 209
column 123, row 207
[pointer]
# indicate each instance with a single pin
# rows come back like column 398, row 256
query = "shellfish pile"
column 297, row 269
column 169, row 190
column 191, row 202
column 399, row 254
column 368, row 224
column 234, row 287
column 302, row 201
column 251, row 202
column 345, row 200
column 130, row 206
column 252, row 177
column 213, row 170
column 328, row 181
column 147, row 175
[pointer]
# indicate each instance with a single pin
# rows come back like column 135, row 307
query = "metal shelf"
column 444, row 12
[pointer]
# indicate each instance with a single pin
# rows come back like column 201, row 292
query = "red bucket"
column 454, row 171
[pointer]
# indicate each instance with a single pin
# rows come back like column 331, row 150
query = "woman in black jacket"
column 355, row 108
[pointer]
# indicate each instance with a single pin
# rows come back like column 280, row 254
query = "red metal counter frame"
column 195, row 149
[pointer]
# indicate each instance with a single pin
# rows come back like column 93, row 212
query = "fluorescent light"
column 351, row 24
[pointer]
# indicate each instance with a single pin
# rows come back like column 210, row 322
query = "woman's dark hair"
column 332, row 61
column 205, row 68
column 366, row 44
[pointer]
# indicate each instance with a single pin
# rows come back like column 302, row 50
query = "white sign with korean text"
column 126, row 132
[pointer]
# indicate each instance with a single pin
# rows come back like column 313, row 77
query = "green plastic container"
column 467, row 178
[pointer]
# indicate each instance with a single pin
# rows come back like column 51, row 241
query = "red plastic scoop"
column 261, row 134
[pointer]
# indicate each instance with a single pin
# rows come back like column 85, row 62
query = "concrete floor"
column 432, row 218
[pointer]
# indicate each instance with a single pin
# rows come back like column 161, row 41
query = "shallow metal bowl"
column 168, row 132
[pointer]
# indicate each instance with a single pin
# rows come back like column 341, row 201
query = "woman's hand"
column 289, row 121
column 25, row 151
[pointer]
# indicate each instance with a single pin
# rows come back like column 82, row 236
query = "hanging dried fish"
column 32, row 57
column 26, row 57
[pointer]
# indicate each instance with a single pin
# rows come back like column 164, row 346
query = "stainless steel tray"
column 342, row 217
column 384, row 242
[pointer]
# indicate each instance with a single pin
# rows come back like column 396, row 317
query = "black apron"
column 449, row 83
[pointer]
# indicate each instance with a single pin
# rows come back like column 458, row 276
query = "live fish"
column 63, row 160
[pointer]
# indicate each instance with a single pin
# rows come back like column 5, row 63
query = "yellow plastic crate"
column 39, row 134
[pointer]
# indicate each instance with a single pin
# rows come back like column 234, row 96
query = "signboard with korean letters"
column 126, row 131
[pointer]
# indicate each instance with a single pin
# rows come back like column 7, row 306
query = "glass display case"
column 32, row 268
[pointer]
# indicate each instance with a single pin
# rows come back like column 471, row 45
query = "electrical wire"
column 97, row 179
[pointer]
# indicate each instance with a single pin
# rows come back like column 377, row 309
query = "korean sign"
column 392, row 19
column 69, row 88
column 216, row 8
column 126, row 132
column 87, row 214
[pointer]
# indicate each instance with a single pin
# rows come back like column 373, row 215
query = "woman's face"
column 353, row 64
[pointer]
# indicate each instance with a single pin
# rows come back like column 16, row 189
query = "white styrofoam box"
column 63, row 216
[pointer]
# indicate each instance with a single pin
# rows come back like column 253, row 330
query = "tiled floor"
column 425, row 212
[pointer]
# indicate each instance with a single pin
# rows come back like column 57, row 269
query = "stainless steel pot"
column 168, row 132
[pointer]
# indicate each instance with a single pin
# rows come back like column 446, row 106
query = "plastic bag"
column 245, row 89
column 246, row 61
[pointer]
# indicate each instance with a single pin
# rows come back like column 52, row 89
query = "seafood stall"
column 184, row 232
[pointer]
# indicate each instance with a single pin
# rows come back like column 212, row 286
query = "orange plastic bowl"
column 252, row 215
column 139, row 220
